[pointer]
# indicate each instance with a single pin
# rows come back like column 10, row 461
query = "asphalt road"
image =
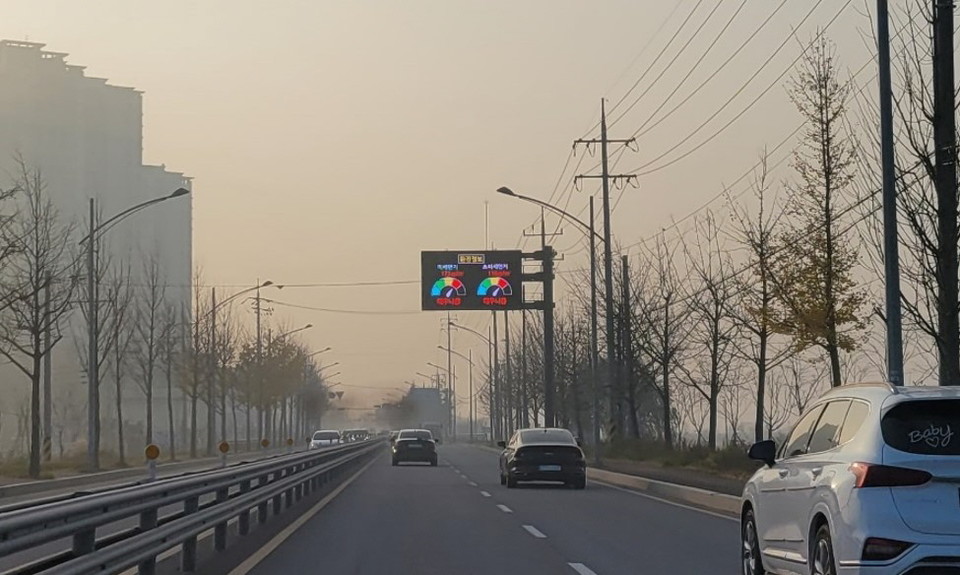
column 457, row 518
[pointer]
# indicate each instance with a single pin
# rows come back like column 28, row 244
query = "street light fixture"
column 492, row 361
column 594, row 237
column 93, row 335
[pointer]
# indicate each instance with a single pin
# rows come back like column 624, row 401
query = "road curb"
column 693, row 496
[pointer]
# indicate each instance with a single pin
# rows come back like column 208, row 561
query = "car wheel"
column 580, row 483
column 752, row 563
column 433, row 462
column 394, row 461
column 822, row 560
column 511, row 482
column 503, row 479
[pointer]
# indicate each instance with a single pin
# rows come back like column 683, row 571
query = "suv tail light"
column 879, row 549
column 873, row 475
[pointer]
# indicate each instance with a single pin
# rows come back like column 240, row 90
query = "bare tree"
column 148, row 311
column 659, row 306
column 713, row 316
column 758, row 233
column 168, row 357
column 121, row 331
column 44, row 276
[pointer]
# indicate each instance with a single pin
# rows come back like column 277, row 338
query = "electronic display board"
column 471, row 280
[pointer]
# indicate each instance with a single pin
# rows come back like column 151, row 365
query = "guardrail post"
column 84, row 542
column 262, row 508
column 278, row 498
column 243, row 522
column 148, row 520
column 188, row 556
column 220, row 531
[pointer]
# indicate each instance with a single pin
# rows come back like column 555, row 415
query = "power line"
column 641, row 170
column 343, row 311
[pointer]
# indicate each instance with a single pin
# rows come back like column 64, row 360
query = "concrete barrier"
column 693, row 496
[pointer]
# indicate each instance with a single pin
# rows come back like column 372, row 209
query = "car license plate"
column 549, row 468
column 416, row 446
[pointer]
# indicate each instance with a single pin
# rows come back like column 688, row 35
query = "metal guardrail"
column 209, row 501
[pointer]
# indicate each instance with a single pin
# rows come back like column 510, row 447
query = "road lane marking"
column 251, row 562
column 667, row 501
column 485, row 494
column 473, row 484
column 504, row 508
column 533, row 531
column 582, row 569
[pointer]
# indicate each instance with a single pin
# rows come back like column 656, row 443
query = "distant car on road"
column 866, row 482
column 542, row 454
column 414, row 445
column 325, row 438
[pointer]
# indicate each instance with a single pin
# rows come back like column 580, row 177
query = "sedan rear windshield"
column 415, row 435
column 923, row 427
column 547, row 436
column 326, row 435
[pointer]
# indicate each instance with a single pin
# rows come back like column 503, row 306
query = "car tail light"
column 873, row 475
column 880, row 549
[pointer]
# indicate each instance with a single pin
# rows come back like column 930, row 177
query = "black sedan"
column 414, row 445
column 542, row 454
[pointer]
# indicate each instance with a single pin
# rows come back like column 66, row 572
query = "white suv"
column 868, row 482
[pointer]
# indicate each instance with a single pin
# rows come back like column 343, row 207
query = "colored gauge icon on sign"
column 448, row 287
column 494, row 287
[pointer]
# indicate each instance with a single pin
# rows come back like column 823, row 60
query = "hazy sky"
column 330, row 141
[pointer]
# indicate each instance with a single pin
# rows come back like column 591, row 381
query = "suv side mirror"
column 502, row 444
column 765, row 451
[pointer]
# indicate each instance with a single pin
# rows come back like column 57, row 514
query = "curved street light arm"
column 457, row 353
column 562, row 213
column 473, row 331
column 133, row 209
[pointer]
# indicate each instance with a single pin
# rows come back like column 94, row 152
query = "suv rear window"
column 421, row 434
column 923, row 427
column 326, row 435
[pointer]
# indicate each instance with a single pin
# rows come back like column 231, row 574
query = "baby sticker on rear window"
column 935, row 436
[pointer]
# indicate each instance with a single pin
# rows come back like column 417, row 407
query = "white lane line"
column 667, row 501
column 535, row 532
column 504, row 508
column 582, row 569
column 473, row 484
column 485, row 494
column 261, row 554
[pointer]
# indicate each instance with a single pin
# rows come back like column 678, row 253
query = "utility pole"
column 491, row 374
column 890, row 244
column 605, row 178
column 593, row 339
column 944, row 138
column 47, row 375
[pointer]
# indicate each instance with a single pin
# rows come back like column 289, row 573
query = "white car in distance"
column 325, row 438
column 868, row 482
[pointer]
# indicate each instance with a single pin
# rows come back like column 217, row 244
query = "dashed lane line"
column 582, row 569
column 485, row 494
column 504, row 508
column 473, row 484
column 535, row 532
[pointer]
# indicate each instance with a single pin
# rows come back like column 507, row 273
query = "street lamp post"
column 470, row 379
column 594, row 236
column 490, row 362
column 93, row 334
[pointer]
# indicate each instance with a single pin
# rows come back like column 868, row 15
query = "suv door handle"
column 783, row 473
column 816, row 471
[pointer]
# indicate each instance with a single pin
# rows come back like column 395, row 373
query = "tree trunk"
column 761, row 386
column 35, row 415
column 193, row 421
